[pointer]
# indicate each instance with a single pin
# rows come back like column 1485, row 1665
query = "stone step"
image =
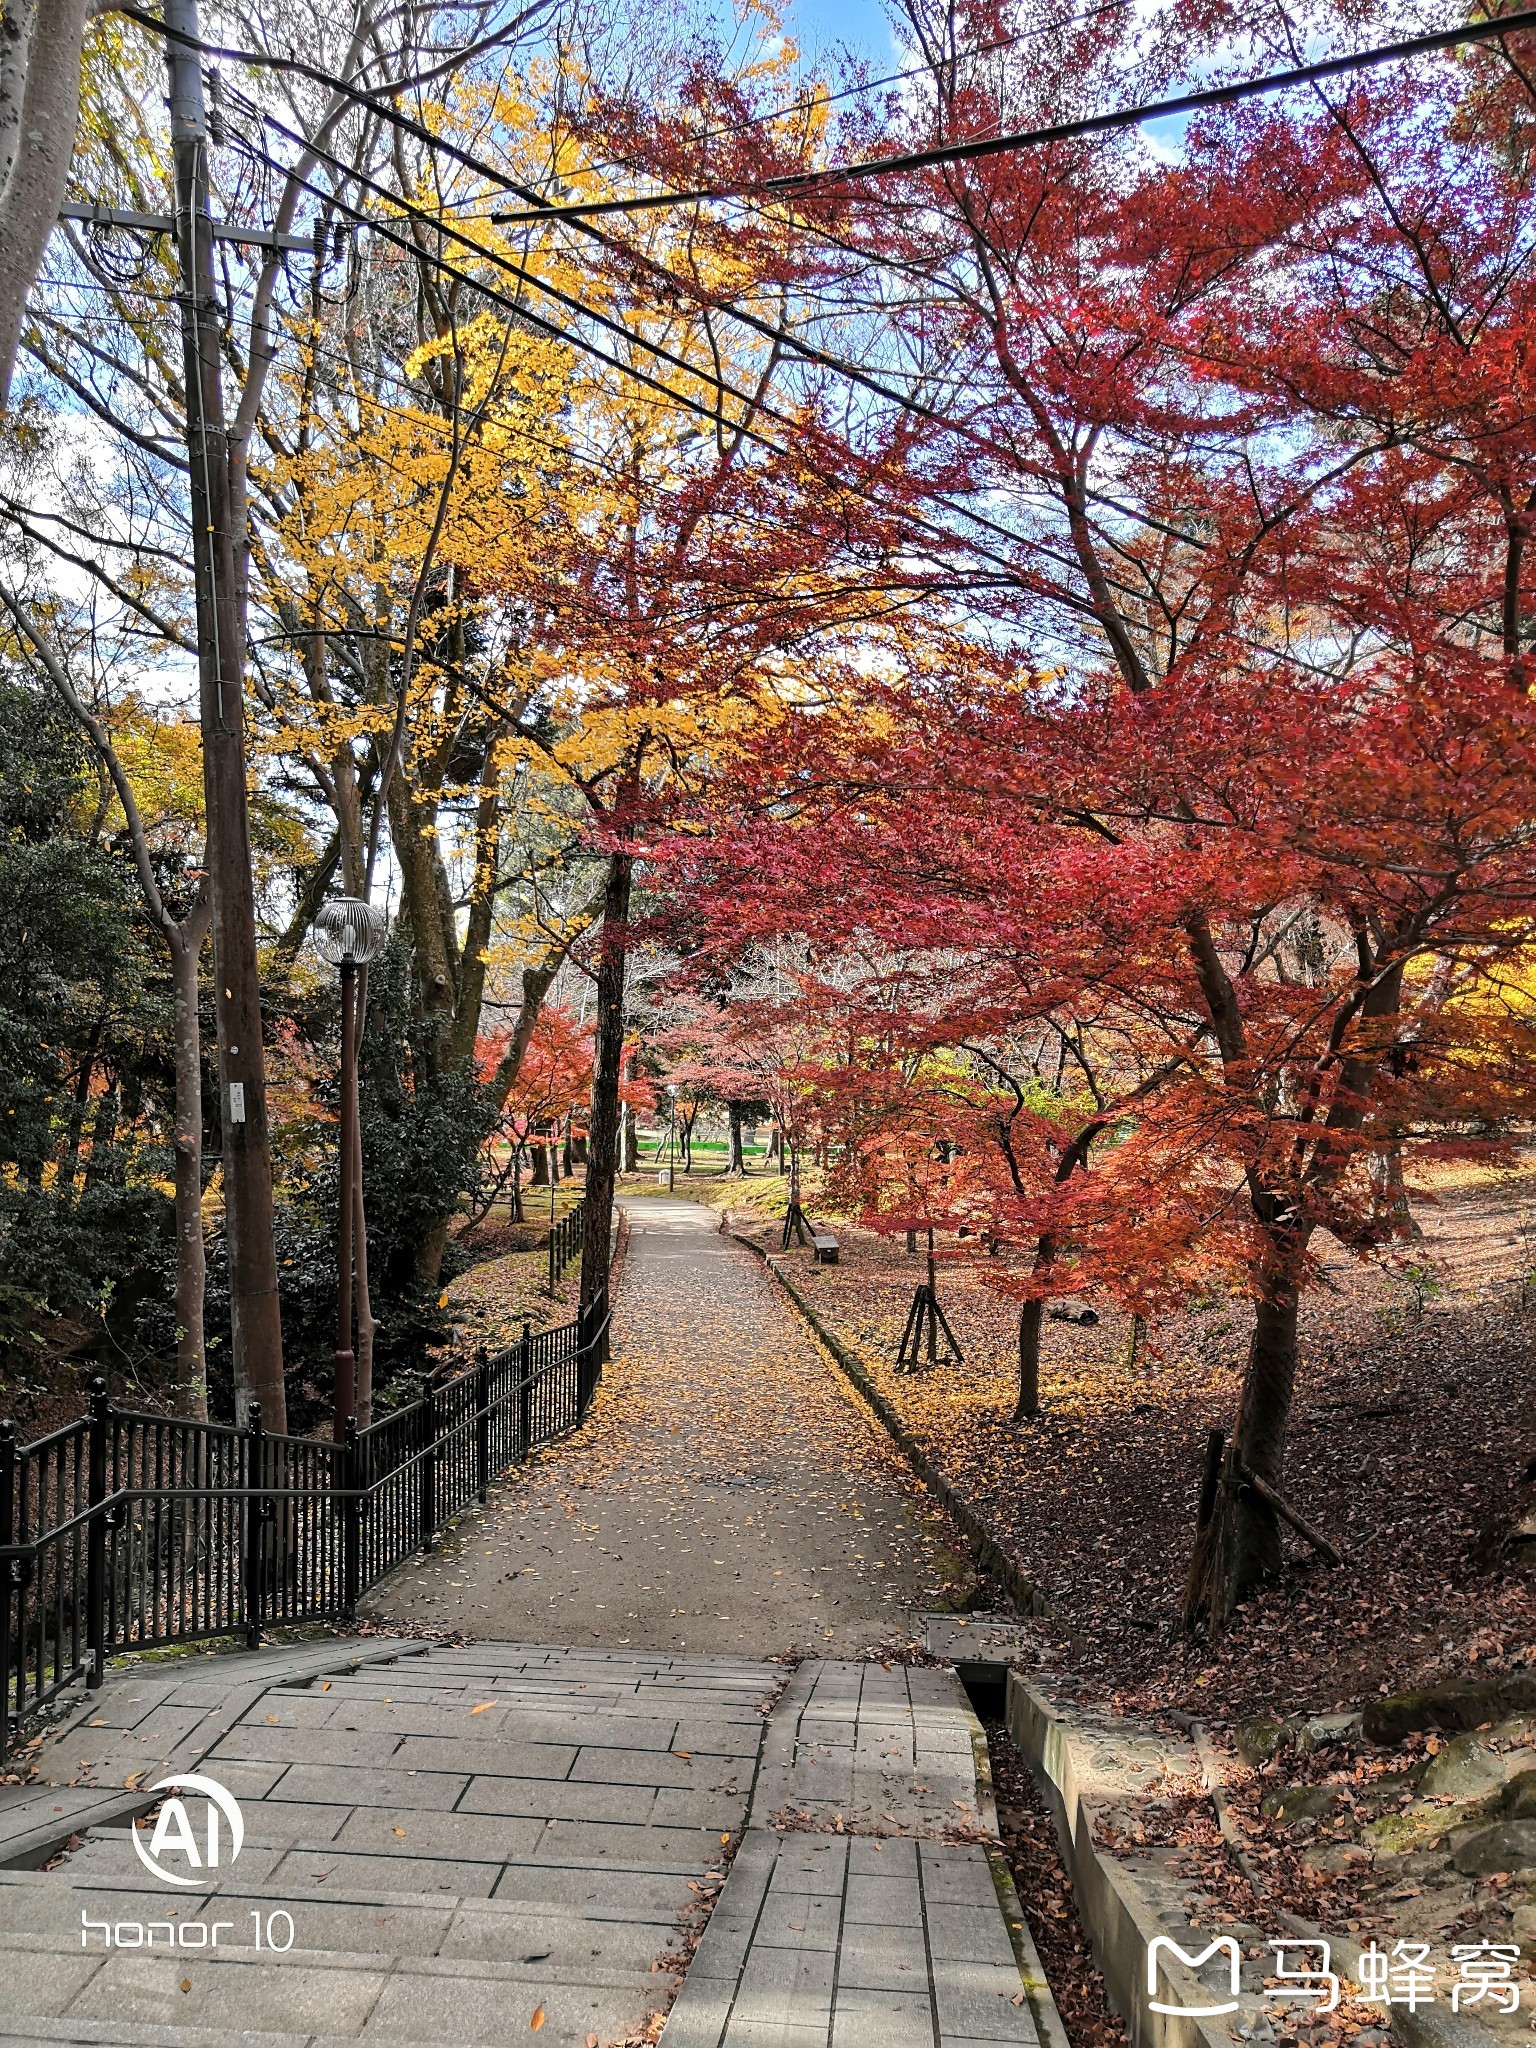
column 124, row 2034
column 307, row 1996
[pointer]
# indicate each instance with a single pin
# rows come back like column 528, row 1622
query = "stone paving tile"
column 485, row 2009
column 601, row 1894
column 509, row 1758
column 641, row 1848
column 791, row 1987
column 409, row 1832
column 303, row 1872
column 621, row 1805
column 882, row 2019
column 359, row 1785
column 975, row 2002
column 883, row 1959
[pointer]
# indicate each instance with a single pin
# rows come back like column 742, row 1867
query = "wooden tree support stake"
column 796, row 1228
column 1288, row 1514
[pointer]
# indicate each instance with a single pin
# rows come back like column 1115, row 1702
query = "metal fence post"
column 96, row 1536
column 255, row 1527
column 524, row 1393
column 483, row 1427
column 428, row 1468
column 350, row 1462
column 10, row 1580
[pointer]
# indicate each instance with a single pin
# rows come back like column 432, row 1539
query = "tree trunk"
column 1240, row 1548
column 517, row 1185
column 607, row 1070
column 631, row 1140
column 186, row 945
column 736, row 1162
column 103, row 1133
column 1031, row 1320
column 1031, row 1316
column 1393, row 1210
column 539, row 1175
column 39, row 103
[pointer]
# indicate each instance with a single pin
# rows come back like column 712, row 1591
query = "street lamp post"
column 348, row 934
column 671, row 1136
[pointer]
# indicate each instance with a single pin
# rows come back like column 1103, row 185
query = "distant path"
column 727, row 1495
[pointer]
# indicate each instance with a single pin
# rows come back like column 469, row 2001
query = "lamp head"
column 349, row 931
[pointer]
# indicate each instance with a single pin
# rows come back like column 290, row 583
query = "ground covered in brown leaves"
column 1415, row 1423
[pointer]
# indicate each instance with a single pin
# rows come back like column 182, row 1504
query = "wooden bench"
column 823, row 1247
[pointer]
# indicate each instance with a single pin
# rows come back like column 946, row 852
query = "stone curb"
column 1120, row 1918
column 1117, row 1919
column 989, row 1552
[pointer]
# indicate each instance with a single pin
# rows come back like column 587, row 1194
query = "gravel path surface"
column 727, row 1494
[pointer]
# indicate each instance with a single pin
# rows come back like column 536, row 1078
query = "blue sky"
column 862, row 24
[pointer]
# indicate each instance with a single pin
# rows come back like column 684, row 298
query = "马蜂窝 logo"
column 1224, row 1945
column 178, row 1853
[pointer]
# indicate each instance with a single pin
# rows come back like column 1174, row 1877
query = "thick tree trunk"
column 607, row 1069
column 1239, row 1549
column 1031, row 1320
column 1031, row 1316
column 39, row 102
column 191, row 1255
column 539, row 1175
column 631, row 1141
column 736, row 1162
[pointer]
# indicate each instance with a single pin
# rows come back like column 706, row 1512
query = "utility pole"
column 255, row 1325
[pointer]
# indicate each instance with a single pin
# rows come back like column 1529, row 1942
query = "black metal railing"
column 124, row 1531
column 565, row 1241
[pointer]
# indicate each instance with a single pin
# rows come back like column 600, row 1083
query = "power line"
column 809, row 101
column 552, row 328
column 796, row 183
column 808, row 352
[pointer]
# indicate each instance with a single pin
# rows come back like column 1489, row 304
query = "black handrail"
column 126, row 1531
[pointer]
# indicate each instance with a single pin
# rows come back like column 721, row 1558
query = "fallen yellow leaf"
column 401, row 1833
column 483, row 1708
column 538, row 2018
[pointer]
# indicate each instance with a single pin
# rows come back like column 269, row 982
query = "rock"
column 1508, row 1845
column 1519, row 1800
column 1459, row 1704
column 1414, row 1829
column 1322, row 1729
column 1326, row 1861
column 1525, row 1923
column 1300, row 1802
column 1259, row 1739
column 1466, row 1770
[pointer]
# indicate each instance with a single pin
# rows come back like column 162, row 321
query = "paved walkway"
column 462, row 1846
column 727, row 1494
column 609, row 1792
